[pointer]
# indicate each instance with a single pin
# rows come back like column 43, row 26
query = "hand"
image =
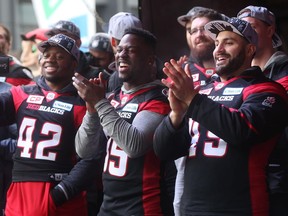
column 179, row 81
column 91, row 91
column 183, row 59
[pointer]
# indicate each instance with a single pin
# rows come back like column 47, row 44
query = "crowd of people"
column 116, row 131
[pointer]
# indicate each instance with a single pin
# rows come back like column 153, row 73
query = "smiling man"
column 227, row 130
column 133, row 177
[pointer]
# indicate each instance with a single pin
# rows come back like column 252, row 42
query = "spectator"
column 117, row 25
column 132, row 175
column 46, row 175
column 239, row 121
column 10, row 71
column 30, row 54
column 8, row 136
column 100, row 54
column 201, row 66
column 275, row 66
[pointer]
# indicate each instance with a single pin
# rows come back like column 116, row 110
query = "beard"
column 203, row 53
column 233, row 64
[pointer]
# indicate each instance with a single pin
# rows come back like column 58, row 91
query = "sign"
column 80, row 12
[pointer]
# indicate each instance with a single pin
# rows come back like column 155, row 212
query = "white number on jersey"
column 216, row 147
column 25, row 139
column 116, row 160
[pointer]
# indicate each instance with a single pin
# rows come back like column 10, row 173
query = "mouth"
column 122, row 65
column 220, row 60
column 50, row 68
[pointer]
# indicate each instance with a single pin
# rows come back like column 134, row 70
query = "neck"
column 208, row 63
column 262, row 57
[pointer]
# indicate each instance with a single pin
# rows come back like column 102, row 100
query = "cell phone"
column 4, row 64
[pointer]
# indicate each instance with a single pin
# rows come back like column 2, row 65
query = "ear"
column 271, row 30
column 114, row 42
column 251, row 50
column 151, row 60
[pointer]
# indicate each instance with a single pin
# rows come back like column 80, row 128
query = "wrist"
column 176, row 119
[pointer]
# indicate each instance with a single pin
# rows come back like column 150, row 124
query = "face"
column 229, row 53
column 4, row 44
column 101, row 59
column 57, row 66
column 201, row 45
column 134, row 60
column 263, row 30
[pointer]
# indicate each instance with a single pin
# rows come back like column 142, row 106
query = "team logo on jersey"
column 232, row 91
column 50, row 96
column 62, row 105
column 221, row 98
column 2, row 79
column 131, row 107
column 219, row 86
column 126, row 115
column 114, row 103
column 124, row 100
column 209, row 71
column 195, row 77
column 165, row 92
column 35, row 99
column 202, row 82
column 269, row 101
column 205, row 91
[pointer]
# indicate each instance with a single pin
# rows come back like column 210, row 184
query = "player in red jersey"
column 46, row 178
column 237, row 119
column 133, row 177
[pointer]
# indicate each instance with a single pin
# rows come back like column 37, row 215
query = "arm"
column 80, row 178
column 136, row 138
column 88, row 140
column 251, row 123
column 170, row 143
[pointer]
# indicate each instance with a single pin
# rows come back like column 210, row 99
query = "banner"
column 80, row 12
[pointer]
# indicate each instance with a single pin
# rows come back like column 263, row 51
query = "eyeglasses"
column 195, row 30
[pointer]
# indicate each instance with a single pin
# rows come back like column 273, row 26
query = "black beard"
column 233, row 64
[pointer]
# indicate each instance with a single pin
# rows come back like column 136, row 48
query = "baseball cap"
column 264, row 15
column 38, row 33
column 100, row 42
column 238, row 26
column 64, row 26
column 63, row 41
column 194, row 12
column 120, row 22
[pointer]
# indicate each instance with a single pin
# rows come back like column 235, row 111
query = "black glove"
column 58, row 195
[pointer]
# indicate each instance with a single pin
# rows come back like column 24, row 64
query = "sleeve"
column 8, row 144
column 170, row 144
column 260, row 116
column 80, row 178
column 89, row 139
column 136, row 138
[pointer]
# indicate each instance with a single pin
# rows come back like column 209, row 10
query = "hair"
column 147, row 36
column 8, row 36
column 208, row 13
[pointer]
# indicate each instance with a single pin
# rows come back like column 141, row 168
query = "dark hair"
column 208, row 13
column 147, row 36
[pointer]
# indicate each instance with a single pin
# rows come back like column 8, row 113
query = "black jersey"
column 142, row 175
column 47, row 122
column 230, row 146
column 201, row 76
column 16, row 74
